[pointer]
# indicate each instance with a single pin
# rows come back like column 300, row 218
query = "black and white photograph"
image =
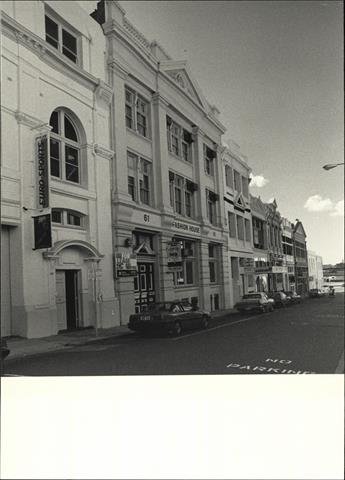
column 172, row 239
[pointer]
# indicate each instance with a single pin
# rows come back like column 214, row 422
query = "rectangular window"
column 179, row 140
column 55, row 158
column 213, row 262
column 245, row 187
column 61, row 38
column 209, row 156
column 237, row 181
column 232, row 224
column 136, row 112
column 72, row 164
column 211, row 199
column 73, row 219
column 247, row 230
column 139, row 179
column 56, row 216
column 131, row 187
column 228, row 177
column 181, row 195
column 240, row 229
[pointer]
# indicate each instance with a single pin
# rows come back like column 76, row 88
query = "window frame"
column 65, row 143
column 189, row 264
column 177, row 183
column 177, row 144
column 142, row 173
column 132, row 121
column 61, row 27
column 65, row 213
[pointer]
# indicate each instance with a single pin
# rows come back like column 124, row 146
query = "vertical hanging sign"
column 42, row 172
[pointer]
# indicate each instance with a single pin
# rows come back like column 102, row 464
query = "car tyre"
column 204, row 322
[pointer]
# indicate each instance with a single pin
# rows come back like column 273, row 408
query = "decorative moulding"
column 103, row 151
column 32, row 122
column 103, row 93
column 117, row 68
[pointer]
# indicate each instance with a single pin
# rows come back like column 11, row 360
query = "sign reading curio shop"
column 42, row 172
column 186, row 227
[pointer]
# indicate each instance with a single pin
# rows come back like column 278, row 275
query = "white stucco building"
column 237, row 208
column 55, row 93
column 167, row 185
column 315, row 270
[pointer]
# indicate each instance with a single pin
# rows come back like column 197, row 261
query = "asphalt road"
column 300, row 339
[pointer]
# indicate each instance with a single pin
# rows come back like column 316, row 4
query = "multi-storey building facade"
column 301, row 258
column 238, row 215
column 260, row 244
column 288, row 255
column 315, row 269
column 275, row 248
column 56, row 154
column 167, row 179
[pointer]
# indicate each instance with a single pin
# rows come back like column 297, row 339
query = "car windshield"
column 161, row 307
column 251, row 295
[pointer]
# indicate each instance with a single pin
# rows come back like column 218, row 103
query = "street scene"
column 172, row 206
column 306, row 338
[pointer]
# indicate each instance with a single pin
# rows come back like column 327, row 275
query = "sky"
column 275, row 70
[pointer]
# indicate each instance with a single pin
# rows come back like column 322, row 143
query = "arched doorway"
column 76, row 265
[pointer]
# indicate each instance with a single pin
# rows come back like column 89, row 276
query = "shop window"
column 179, row 140
column 62, row 38
column 182, row 195
column 187, row 276
column 68, row 218
column 211, row 199
column 229, row 181
column 137, row 112
column 65, row 149
column 139, row 179
column 209, row 160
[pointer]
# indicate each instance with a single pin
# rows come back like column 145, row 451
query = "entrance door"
column 67, row 303
column 144, row 286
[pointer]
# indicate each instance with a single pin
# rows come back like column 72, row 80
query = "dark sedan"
column 170, row 317
column 280, row 299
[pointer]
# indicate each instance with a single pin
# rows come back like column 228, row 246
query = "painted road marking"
column 261, row 368
column 215, row 328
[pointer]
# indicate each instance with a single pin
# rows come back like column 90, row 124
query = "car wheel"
column 204, row 322
column 177, row 329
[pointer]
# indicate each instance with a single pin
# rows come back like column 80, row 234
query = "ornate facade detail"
column 139, row 37
column 103, row 151
column 30, row 121
column 103, row 93
column 32, row 43
column 119, row 70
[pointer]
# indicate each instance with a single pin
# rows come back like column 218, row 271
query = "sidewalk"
column 22, row 347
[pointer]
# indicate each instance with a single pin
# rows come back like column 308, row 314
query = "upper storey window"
column 209, row 160
column 61, row 38
column 64, row 148
column 137, row 113
column 179, row 140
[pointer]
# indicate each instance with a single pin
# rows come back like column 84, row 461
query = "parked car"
column 4, row 349
column 255, row 302
column 170, row 317
column 294, row 297
column 280, row 299
column 316, row 293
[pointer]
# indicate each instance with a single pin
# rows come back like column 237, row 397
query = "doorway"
column 144, row 286
column 67, row 300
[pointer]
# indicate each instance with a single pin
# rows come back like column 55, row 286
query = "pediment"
column 181, row 75
column 144, row 248
column 239, row 201
column 299, row 229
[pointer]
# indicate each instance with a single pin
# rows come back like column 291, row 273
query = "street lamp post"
column 329, row 166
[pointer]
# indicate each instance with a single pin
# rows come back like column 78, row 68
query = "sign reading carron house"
column 42, row 172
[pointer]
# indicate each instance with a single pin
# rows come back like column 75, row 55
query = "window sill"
column 137, row 134
column 177, row 157
column 192, row 285
column 71, row 227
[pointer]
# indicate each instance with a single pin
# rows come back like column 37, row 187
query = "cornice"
column 158, row 99
column 117, row 68
column 33, row 122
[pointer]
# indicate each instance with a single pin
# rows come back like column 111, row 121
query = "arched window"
column 65, row 148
